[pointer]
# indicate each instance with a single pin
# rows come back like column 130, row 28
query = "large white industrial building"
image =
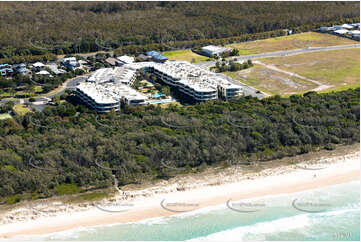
column 108, row 87
column 210, row 50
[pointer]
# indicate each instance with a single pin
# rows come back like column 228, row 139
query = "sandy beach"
column 200, row 194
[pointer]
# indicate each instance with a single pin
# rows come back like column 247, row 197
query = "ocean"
column 329, row 213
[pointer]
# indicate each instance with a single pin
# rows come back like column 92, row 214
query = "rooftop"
column 117, row 74
column 126, row 59
column 38, row 64
column 156, row 55
column 110, row 93
column 194, row 76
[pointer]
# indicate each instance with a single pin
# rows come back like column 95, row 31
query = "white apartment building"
column 107, row 88
column 124, row 75
column 108, row 96
column 194, row 81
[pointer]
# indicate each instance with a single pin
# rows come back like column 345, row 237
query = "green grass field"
column 185, row 55
column 5, row 116
column 20, row 109
column 339, row 68
column 289, row 42
column 271, row 82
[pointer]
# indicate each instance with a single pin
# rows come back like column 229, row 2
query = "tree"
column 166, row 90
column 234, row 52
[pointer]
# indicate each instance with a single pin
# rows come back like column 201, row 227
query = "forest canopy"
column 63, row 27
column 70, row 144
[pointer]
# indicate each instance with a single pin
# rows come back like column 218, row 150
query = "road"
column 254, row 92
column 40, row 102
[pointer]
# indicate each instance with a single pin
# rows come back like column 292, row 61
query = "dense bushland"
column 70, row 144
column 37, row 28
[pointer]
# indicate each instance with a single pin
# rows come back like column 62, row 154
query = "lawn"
column 289, row 42
column 20, row 109
column 340, row 68
column 5, row 116
column 270, row 81
column 185, row 55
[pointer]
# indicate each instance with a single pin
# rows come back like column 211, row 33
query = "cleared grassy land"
column 20, row 109
column 185, row 55
column 340, row 68
column 4, row 116
column 271, row 82
column 290, row 42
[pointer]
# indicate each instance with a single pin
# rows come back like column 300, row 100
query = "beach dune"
column 289, row 179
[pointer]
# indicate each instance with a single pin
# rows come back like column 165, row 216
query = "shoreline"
column 335, row 170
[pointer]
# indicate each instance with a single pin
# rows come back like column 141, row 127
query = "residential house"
column 38, row 66
column 157, row 57
column 6, row 70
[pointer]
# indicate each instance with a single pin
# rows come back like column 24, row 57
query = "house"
column 19, row 66
column 24, row 71
column 142, row 58
column 347, row 26
column 6, row 70
column 70, row 62
column 327, row 29
column 355, row 34
column 157, row 57
column 341, row 31
column 55, row 70
column 44, row 73
column 212, row 50
column 125, row 59
column 38, row 66
column 82, row 62
column 111, row 61
column 344, row 26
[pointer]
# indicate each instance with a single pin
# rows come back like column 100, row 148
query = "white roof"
column 341, row 31
column 211, row 48
column 82, row 62
column 38, row 64
column 193, row 76
column 355, row 32
column 69, row 59
column 121, row 74
column 110, row 93
column 126, row 59
column 54, row 68
column 347, row 26
column 43, row 73
column 214, row 49
column 106, row 85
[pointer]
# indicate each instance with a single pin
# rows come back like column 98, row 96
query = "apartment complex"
column 108, row 96
column 194, row 81
column 107, row 88
column 123, row 75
